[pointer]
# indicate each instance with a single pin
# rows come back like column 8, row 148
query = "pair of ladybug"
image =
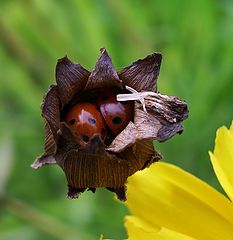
column 88, row 119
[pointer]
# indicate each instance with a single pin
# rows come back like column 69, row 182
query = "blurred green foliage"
column 196, row 40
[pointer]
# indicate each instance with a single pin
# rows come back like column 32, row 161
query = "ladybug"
column 116, row 114
column 86, row 120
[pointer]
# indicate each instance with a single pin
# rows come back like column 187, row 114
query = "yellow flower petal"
column 165, row 195
column 138, row 229
column 231, row 128
column 222, row 159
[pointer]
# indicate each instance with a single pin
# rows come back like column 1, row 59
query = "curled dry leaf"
column 94, row 155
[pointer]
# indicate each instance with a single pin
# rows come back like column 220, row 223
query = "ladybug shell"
column 116, row 114
column 86, row 120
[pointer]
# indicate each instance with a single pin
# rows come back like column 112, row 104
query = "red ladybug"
column 116, row 114
column 86, row 120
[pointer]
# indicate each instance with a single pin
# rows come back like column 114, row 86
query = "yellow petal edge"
column 222, row 158
column 138, row 230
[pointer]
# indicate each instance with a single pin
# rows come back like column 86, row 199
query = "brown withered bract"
column 109, row 163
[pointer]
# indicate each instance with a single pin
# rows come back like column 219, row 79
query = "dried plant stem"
column 42, row 221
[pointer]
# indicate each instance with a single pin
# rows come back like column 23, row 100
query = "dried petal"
column 125, row 139
column 74, row 192
column 104, row 74
column 140, row 155
column 42, row 160
column 91, row 166
column 50, row 149
column 120, row 192
column 70, row 78
column 170, row 108
column 51, row 113
column 70, row 135
column 146, row 153
column 142, row 75
column 50, row 143
column 51, row 109
column 168, row 130
column 163, row 117
column 147, row 123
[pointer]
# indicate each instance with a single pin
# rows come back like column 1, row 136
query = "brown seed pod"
column 108, row 161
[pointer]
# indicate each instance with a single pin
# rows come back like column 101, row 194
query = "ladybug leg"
column 120, row 192
column 74, row 192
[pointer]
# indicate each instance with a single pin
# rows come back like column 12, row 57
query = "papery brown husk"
column 94, row 165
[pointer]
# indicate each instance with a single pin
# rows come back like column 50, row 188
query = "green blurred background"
column 196, row 40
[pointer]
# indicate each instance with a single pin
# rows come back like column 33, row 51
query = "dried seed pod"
column 107, row 162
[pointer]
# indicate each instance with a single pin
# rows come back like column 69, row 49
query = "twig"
column 41, row 220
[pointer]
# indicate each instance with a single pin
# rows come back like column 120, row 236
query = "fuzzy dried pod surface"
column 94, row 156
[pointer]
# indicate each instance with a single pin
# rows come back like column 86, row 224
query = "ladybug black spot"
column 85, row 138
column 104, row 98
column 117, row 120
column 92, row 121
column 72, row 121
